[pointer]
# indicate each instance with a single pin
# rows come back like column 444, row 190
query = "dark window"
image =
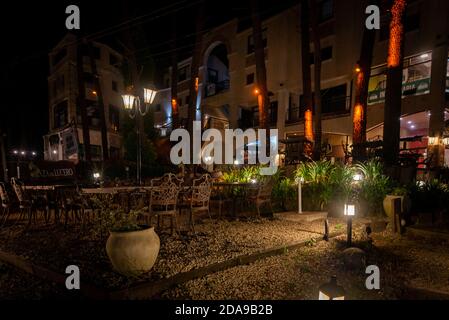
column 113, row 60
column 95, row 51
column 114, row 153
column 212, row 75
column 89, row 79
column 251, row 41
column 412, row 22
column 114, row 86
column 273, row 113
column 187, row 100
column 58, row 85
column 250, row 78
column 184, row 73
column 114, row 118
column 158, row 108
column 326, row 10
column 59, row 56
column 333, row 101
column 326, row 54
column 61, row 115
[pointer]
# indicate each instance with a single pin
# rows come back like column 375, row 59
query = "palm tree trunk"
column 393, row 94
column 361, row 94
column 82, row 103
column 174, row 76
column 306, row 74
column 99, row 91
column 261, row 71
column 317, row 78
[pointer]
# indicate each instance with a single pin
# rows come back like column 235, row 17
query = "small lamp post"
column 300, row 181
column 132, row 104
column 331, row 291
column 349, row 212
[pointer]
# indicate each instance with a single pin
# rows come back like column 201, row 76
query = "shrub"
column 374, row 187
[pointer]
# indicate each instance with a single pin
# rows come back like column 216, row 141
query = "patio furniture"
column 261, row 196
column 200, row 198
column 231, row 192
column 27, row 208
column 163, row 202
column 167, row 179
column 6, row 204
column 220, row 197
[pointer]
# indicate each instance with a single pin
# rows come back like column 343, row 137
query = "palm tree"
column 261, row 71
column 393, row 94
column 363, row 70
column 317, row 78
column 174, row 76
column 306, row 74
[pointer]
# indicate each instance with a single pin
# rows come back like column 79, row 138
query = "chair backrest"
column 201, row 191
column 164, row 195
column 265, row 189
column 19, row 190
column 167, row 179
column 4, row 195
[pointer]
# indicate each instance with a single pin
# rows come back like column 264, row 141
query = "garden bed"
column 217, row 241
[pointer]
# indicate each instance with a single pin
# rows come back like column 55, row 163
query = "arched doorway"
column 216, row 69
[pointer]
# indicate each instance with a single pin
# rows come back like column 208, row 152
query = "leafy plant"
column 374, row 186
column 318, row 183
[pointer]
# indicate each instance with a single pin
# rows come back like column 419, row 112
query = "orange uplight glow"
column 308, row 125
column 358, row 70
column 358, row 119
column 94, row 92
column 396, row 33
column 197, row 84
column 256, row 91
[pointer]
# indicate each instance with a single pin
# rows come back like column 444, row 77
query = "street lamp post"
column 133, row 105
column 349, row 212
column 300, row 181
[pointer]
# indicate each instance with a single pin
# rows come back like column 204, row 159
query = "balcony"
column 215, row 88
column 331, row 107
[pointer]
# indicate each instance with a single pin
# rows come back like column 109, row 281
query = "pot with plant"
column 397, row 193
column 132, row 248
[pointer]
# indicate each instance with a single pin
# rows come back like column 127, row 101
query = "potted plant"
column 132, row 248
column 397, row 193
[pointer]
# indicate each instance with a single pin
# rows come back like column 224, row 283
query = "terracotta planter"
column 388, row 204
column 133, row 253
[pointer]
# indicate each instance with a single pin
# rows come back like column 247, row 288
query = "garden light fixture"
column 331, row 291
column 349, row 212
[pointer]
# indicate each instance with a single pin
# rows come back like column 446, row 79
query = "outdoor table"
column 233, row 187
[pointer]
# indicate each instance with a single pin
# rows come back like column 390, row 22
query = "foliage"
column 429, row 197
column 284, row 190
column 374, row 187
column 244, row 174
column 318, row 183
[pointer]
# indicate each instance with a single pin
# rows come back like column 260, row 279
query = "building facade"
column 65, row 138
column 227, row 77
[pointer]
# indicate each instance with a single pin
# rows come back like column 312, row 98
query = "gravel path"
column 298, row 274
column 216, row 241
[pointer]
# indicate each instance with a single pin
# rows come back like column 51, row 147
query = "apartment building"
column 65, row 138
column 227, row 76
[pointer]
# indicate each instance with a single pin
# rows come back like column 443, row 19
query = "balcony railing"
column 331, row 107
column 214, row 88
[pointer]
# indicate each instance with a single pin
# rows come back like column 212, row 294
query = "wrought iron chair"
column 163, row 202
column 200, row 198
column 6, row 204
column 26, row 207
column 261, row 196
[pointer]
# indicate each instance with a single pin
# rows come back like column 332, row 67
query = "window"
column 85, row 50
column 61, row 115
column 114, row 118
column 184, row 73
column 326, row 10
column 333, row 101
column 113, row 60
column 58, row 85
column 250, row 78
column 412, row 22
column 326, row 54
column 114, row 86
column 293, row 114
column 187, row 100
column 59, row 56
column 251, row 41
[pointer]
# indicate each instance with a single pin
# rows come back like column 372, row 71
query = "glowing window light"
column 433, row 141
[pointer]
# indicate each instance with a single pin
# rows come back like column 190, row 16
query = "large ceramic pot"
column 388, row 204
column 133, row 253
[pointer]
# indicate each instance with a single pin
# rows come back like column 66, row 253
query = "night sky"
column 30, row 29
